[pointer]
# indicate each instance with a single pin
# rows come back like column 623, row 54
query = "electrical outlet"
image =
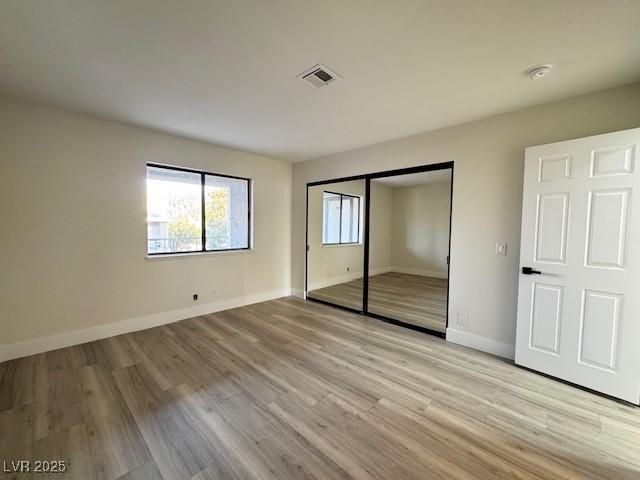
column 214, row 293
column 462, row 319
column 501, row 248
column 195, row 297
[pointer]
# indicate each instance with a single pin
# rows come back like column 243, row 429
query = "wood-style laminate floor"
column 289, row 389
column 348, row 294
column 412, row 299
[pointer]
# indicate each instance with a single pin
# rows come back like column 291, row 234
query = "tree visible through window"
column 175, row 219
column 341, row 219
column 226, row 212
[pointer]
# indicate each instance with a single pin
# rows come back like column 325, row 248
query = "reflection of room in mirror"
column 409, row 222
column 335, row 259
column 409, row 245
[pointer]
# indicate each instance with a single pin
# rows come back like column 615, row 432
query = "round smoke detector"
column 539, row 71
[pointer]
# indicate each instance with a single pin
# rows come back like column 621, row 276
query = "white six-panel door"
column 579, row 319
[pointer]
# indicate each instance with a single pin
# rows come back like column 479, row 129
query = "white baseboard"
column 297, row 292
column 483, row 344
column 328, row 282
column 420, row 272
column 380, row 270
column 76, row 337
column 348, row 277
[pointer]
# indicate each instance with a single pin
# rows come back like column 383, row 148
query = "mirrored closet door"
column 335, row 243
column 378, row 244
column 409, row 248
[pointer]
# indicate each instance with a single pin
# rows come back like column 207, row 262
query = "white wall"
column 380, row 235
column 73, row 234
column 420, row 229
column 487, row 196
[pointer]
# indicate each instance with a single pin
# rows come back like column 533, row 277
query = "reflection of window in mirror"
column 341, row 219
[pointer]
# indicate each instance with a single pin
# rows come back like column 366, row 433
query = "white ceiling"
column 225, row 71
column 413, row 179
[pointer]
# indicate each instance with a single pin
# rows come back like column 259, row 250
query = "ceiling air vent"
column 318, row 76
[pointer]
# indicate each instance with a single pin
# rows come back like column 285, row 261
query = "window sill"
column 197, row 254
column 342, row 245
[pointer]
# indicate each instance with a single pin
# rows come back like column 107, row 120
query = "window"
column 341, row 219
column 191, row 211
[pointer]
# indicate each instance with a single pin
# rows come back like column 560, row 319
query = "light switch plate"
column 501, row 248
